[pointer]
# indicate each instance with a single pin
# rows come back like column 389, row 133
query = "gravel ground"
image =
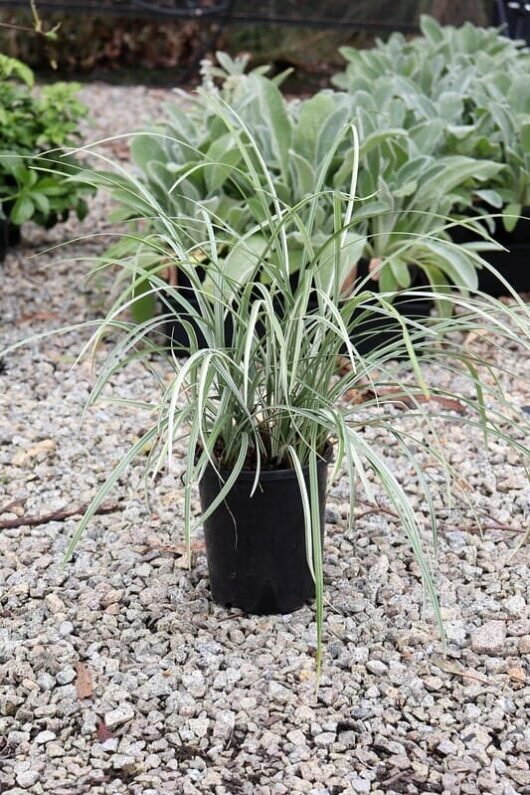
column 118, row 674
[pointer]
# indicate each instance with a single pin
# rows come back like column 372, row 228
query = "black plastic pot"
column 9, row 236
column 378, row 331
column 13, row 234
column 373, row 333
column 369, row 335
column 3, row 239
column 255, row 546
column 177, row 331
column 513, row 265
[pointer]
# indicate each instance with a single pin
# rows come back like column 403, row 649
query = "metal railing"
column 176, row 9
column 371, row 15
column 184, row 10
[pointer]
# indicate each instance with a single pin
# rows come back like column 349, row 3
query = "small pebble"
column 118, row 716
column 44, row 737
column 490, row 638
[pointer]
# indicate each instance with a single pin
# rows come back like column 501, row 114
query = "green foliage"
column 127, row 48
column 11, row 68
column 472, row 84
column 59, row 114
column 38, row 180
column 408, row 191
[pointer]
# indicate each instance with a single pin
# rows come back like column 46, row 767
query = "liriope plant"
column 261, row 388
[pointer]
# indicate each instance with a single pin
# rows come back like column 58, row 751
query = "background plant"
column 473, row 83
column 407, row 193
column 38, row 180
column 126, row 46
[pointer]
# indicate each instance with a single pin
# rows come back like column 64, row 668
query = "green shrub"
column 38, row 179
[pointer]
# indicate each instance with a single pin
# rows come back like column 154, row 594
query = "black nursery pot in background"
column 373, row 332
column 378, row 330
column 9, row 236
column 256, row 546
column 14, row 234
column 177, row 327
column 3, row 239
column 513, row 265
column 519, row 236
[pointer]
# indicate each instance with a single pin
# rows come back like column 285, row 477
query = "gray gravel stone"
column 490, row 638
column 118, row 716
column 44, row 737
column 376, row 667
column 66, row 628
column 447, row 748
column 65, row 676
column 296, row 737
column 324, row 739
column 360, row 784
column 27, row 778
column 224, row 724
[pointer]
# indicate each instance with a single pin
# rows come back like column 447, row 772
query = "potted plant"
column 192, row 161
column 413, row 194
column 492, row 119
column 39, row 180
column 265, row 412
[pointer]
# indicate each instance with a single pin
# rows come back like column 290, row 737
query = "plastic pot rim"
column 271, row 474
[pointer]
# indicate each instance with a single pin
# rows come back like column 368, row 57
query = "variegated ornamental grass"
column 271, row 395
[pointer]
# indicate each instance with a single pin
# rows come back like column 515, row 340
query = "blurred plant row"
column 39, row 181
column 469, row 87
column 444, row 126
column 87, row 41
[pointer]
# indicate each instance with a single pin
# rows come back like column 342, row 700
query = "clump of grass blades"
column 267, row 392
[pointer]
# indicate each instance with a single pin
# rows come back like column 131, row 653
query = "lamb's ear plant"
column 192, row 162
column 503, row 101
column 269, row 394
column 412, row 199
column 471, row 86
column 428, row 60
